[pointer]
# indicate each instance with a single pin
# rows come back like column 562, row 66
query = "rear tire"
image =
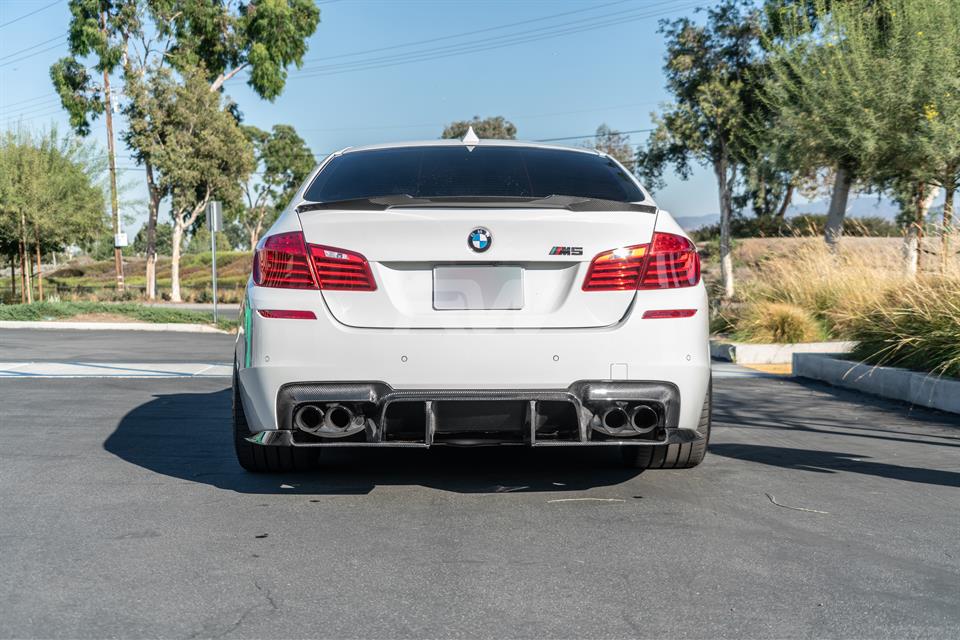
column 260, row 458
column 674, row 456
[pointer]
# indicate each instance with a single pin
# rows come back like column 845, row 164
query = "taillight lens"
column 673, row 263
column 669, row 262
column 339, row 269
column 281, row 261
column 285, row 261
column 616, row 270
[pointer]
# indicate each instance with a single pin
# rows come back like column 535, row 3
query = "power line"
column 434, row 125
column 25, row 100
column 478, row 46
column 10, row 55
column 49, row 102
column 592, row 135
column 27, row 15
column 504, row 39
column 30, row 55
column 460, row 35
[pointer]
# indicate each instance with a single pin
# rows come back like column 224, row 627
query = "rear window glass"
column 487, row 172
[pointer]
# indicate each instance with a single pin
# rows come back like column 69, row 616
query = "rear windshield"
column 487, row 172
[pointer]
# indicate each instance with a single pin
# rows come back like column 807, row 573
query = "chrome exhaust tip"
column 338, row 417
column 644, row 419
column 309, row 417
column 615, row 419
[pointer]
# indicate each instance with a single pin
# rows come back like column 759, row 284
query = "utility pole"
column 118, row 240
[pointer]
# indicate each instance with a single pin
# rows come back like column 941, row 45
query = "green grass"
column 61, row 310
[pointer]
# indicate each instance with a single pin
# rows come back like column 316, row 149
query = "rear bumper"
column 387, row 417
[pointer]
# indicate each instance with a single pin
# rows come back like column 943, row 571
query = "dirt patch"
column 101, row 317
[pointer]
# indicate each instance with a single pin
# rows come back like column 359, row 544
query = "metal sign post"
column 215, row 224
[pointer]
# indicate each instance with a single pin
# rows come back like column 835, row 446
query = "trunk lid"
column 405, row 245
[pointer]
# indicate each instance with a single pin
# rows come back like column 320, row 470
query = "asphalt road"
column 46, row 345
column 817, row 513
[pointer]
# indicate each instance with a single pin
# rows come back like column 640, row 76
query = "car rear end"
column 493, row 293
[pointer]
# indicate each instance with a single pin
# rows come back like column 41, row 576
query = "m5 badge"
column 566, row 251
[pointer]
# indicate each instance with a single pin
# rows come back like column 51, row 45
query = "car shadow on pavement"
column 832, row 462
column 188, row 436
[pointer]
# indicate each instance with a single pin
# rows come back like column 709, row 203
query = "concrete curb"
column 916, row 388
column 179, row 327
column 747, row 353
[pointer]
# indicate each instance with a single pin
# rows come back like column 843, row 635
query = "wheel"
column 264, row 459
column 674, row 456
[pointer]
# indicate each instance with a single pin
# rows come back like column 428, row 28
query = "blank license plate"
column 477, row 287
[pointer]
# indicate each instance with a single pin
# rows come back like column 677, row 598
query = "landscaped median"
column 107, row 315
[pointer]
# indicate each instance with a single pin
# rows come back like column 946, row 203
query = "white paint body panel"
column 394, row 335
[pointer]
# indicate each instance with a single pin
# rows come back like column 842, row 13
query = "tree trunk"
column 25, row 267
column 724, row 186
column 913, row 240
column 947, row 227
column 833, row 229
column 13, row 279
column 787, row 198
column 175, row 261
column 39, row 267
column 153, row 209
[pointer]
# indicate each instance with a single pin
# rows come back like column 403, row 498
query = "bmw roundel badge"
column 480, row 239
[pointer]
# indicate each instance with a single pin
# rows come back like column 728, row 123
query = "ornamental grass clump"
column 833, row 287
column 916, row 327
column 777, row 322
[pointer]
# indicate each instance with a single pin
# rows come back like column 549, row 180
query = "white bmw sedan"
column 472, row 292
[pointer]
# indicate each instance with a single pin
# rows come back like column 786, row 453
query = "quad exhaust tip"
column 640, row 419
column 331, row 417
column 309, row 417
column 644, row 419
column 338, row 417
column 615, row 418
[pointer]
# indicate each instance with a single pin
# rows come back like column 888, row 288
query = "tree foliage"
column 285, row 161
column 614, row 144
column 195, row 145
column 492, row 128
column 709, row 73
column 51, row 194
column 211, row 39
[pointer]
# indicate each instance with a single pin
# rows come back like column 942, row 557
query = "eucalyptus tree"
column 708, row 69
column 285, row 161
column 195, row 145
column 218, row 39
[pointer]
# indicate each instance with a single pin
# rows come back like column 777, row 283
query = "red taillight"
column 340, row 269
column 286, row 261
column 673, row 263
column 281, row 261
column 668, row 262
column 616, row 270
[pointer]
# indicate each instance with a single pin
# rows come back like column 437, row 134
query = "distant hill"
column 862, row 207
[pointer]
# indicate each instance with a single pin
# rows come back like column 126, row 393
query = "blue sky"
column 606, row 68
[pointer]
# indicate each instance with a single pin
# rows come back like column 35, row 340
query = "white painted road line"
column 204, row 370
column 114, row 370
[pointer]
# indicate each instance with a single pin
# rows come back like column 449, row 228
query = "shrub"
column 778, row 322
column 805, row 225
column 916, row 326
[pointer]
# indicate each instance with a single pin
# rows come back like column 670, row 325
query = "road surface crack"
column 786, row 506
